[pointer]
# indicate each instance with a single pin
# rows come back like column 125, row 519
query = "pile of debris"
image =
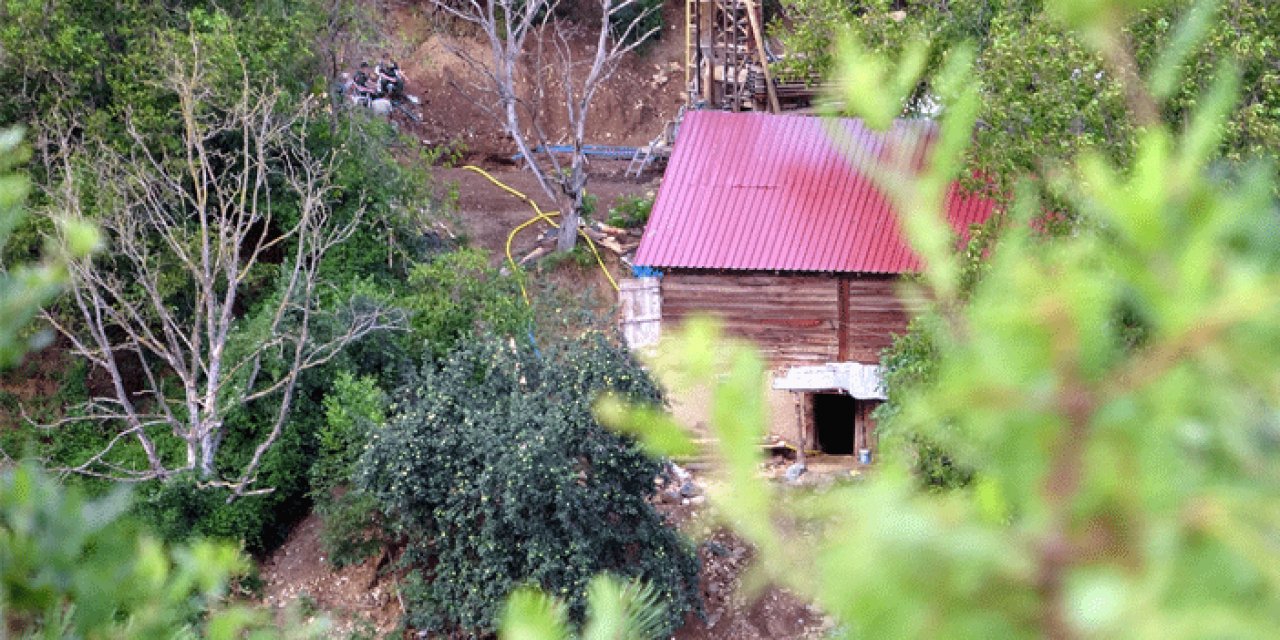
column 622, row 242
column 675, row 485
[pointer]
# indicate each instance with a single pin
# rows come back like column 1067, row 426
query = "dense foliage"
column 352, row 527
column 24, row 287
column 73, row 568
column 457, row 293
column 909, row 365
column 1048, row 92
column 497, row 474
column 103, row 80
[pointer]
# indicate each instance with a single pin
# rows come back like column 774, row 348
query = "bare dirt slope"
column 359, row 599
column 630, row 109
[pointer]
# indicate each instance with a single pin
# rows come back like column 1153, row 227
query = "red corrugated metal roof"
column 786, row 193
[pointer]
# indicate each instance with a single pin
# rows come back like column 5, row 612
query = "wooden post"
column 774, row 106
column 859, row 428
column 688, row 52
column 842, row 320
column 804, row 430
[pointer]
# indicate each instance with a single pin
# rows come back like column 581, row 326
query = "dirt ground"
column 487, row 214
column 631, row 109
column 359, row 599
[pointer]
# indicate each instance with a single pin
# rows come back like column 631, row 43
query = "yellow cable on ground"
column 540, row 215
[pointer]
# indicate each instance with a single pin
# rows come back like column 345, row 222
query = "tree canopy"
column 1049, row 92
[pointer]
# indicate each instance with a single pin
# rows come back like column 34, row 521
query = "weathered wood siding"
column 873, row 316
column 641, row 302
column 794, row 319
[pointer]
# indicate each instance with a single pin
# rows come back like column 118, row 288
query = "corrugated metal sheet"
column 788, row 193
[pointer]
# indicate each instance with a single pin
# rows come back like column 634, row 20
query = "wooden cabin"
column 772, row 224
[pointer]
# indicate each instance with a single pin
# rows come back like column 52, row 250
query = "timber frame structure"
column 728, row 60
column 773, row 224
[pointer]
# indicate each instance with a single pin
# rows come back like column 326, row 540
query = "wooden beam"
column 764, row 59
column 688, row 52
column 842, row 323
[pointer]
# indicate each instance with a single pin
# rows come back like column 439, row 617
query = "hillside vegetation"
column 244, row 301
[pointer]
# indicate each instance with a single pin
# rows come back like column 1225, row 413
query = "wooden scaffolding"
column 727, row 62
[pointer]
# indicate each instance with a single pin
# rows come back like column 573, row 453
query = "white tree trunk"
column 507, row 25
column 199, row 220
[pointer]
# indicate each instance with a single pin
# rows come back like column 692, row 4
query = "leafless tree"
column 508, row 27
column 192, row 224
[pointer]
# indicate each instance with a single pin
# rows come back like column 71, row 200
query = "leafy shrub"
column 81, row 569
column 590, row 202
column 908, row 365
column 631, row 211
column 457, row 292
column 580, row 256
column 180, row 509
column 354, row 408
column 498, row 475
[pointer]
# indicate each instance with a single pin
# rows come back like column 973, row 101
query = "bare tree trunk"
column 199, row 217
column 507, row 25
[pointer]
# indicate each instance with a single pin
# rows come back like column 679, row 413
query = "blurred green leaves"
column 71, row 568
column 616, row 610
column 23, row 288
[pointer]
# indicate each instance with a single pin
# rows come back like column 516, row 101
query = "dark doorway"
column 833, row 422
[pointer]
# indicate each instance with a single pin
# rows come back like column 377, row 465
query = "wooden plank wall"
column 641, row 302
column 794, row 319
column 874, row 316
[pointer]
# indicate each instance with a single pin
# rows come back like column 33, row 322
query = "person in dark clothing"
column 390, row 81
column 364, row 84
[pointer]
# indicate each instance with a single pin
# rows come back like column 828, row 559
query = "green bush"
column 631, row 211
column 497, row 474
column 908, row 365
column 180, row 509
column 354, row 408
column 580, row 257
column 81, row 569
column 458, row 292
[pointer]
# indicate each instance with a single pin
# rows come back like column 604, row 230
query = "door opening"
column 834, row 417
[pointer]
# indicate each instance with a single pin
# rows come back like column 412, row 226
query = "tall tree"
column 171, row 317
column 1048, row 92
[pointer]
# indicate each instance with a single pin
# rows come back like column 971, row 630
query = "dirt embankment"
column 630, row 109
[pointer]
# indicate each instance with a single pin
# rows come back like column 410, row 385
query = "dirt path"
column 358, row 601
column 488, row 214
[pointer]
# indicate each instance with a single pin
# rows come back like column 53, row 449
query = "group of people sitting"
column 374, row 83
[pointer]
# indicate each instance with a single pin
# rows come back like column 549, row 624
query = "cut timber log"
column 535, row 254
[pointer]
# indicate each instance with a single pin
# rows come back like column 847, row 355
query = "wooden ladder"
column 640, row 161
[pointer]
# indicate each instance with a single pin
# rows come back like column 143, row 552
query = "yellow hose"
column 539, row 215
